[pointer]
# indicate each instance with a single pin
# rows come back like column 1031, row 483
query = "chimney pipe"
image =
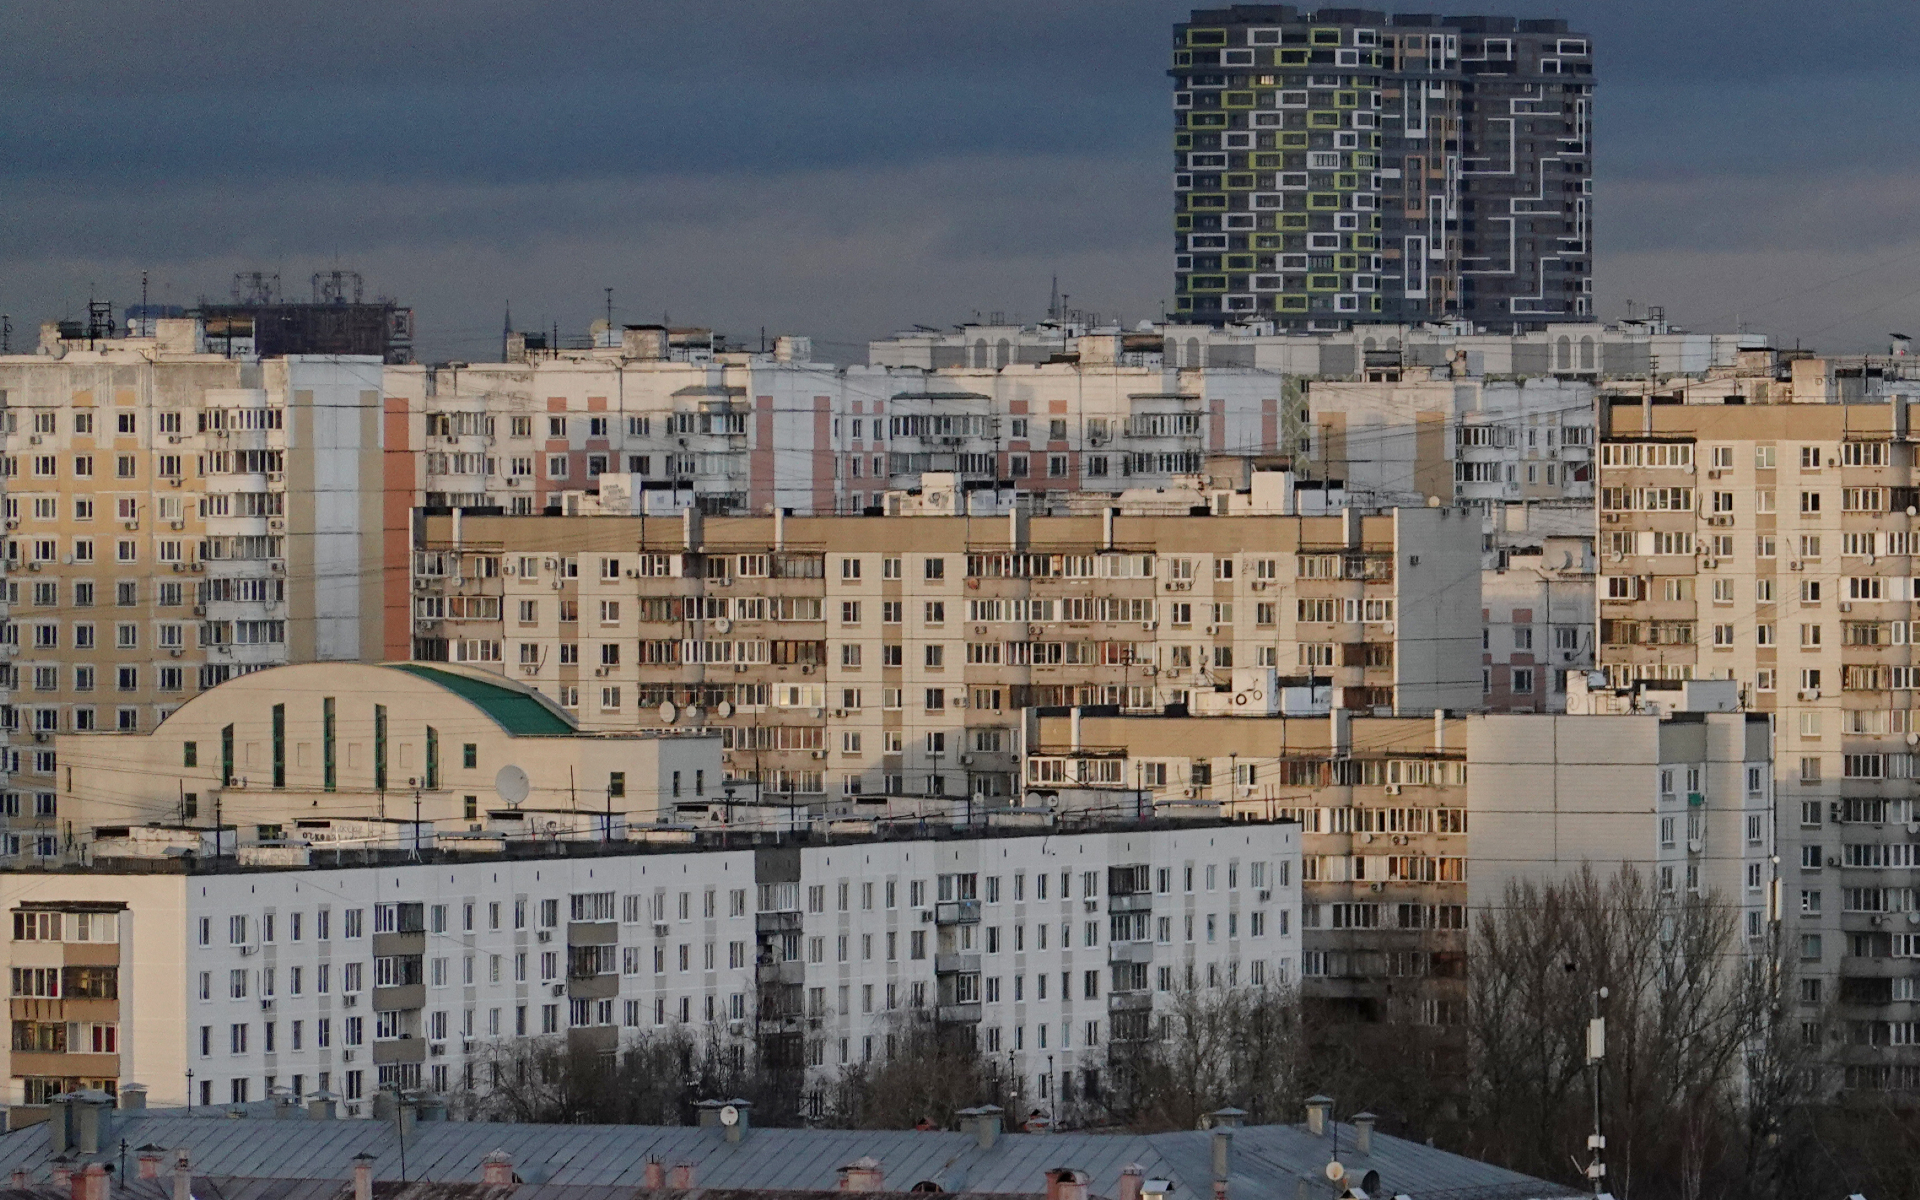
column 362, row 1177
column 656, row 1175
column 863, row 1174
column 182, row 1177
column 681, row 1177
column 1222, row 1143
column 91, row 1184
column 1363, row 1132
column 149, row 1163
column 1319, row 1108
column 986, row 1124
column 1439, row 730
column 1065, row 1183
column 133, row 1097
column 321, row 1106
column 19, row 1179
column 1132, row 1177
column 62, row 1173
column 496, row 1169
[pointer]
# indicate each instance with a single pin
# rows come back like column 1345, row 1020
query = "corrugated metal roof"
column 608, row 1162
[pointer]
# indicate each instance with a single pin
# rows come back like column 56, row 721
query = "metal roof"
column 1267, row 1160
column 516, row 712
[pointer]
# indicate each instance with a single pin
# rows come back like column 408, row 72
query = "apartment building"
column 851, row 655
column 1538, row 605
column 674, row 418
column 151, row 549
column 1347, row 165
column 1411, row 830
column 1381, row 804
column 1674, row 779
column 357, row 755
column 1046, row 949
column 1771, row 544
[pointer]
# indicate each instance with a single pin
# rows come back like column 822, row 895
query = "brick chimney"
column 62, row 1173
column 496, row 1169
column 150, row 1159
column 1132, row 1176
column 656, row 1175
column 862, row 1175
column 681, row 1177
column 363, row 1177
column 91, row 1182
column 1065, row 1183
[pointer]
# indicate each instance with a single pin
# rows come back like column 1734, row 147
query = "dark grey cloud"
column 844, row 168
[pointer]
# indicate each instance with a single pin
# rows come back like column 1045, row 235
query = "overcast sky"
column 842, row 169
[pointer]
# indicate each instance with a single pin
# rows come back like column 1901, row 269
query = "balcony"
column 789, row 974
column 1129, row 1001
column 957, row 1014
column 957, row 912
column 1129, row 952
column 954, row 964
column 1137, row 902
column 777, row 922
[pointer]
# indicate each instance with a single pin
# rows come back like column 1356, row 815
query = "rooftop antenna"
column 609, row 292
column 1053, row 300
column 506, row 331
column 6, row 333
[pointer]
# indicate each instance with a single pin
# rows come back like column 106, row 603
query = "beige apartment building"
column 1411, row 829
column 862, row 655
column 152, row 547
column 1773, row 544
column 1382, row 807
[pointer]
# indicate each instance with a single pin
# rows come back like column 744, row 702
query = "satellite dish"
column 668, row 712
column 696, row 714
column 513, row 785
column 726, row 708
column 1335, row 1171
column 729, row 1115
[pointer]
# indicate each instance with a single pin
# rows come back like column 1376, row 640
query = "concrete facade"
column 842, row 656
column 1043, row 948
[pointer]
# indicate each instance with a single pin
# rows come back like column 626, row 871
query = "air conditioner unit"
column 660, row 929
column 1374, row 887
column 559, row 989
column 926, row 916
column 436, row 1049
column 266, row 1005
column 1695, row 845
column 349, row 1001
column 176, row 652
column 530, row 668
column 1266, row 894
column 1794, row 565
column 558, row 584
column 1393, row 789
column 346, row 1055
column 275, row 477
column 245, row 950
column 179, row 524
column 1846, row 606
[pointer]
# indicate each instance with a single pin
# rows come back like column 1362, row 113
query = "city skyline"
column 944, row 167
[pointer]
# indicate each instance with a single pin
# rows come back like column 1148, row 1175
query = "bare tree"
column 926, row 1073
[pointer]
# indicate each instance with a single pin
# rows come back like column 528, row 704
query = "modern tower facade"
column 1349, row 165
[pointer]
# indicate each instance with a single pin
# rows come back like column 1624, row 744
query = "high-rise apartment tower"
column 1348, row 165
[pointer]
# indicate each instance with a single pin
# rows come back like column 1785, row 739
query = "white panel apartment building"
column 1043, row 411
column 1045, row 947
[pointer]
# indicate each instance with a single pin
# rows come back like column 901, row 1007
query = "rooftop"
column 517, row 711
column 608, row 1162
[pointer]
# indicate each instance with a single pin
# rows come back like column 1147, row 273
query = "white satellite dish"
column 513, row 785
column 668, row 712
column 729, row 1115
column 1335, row 1171
column 726, row 708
